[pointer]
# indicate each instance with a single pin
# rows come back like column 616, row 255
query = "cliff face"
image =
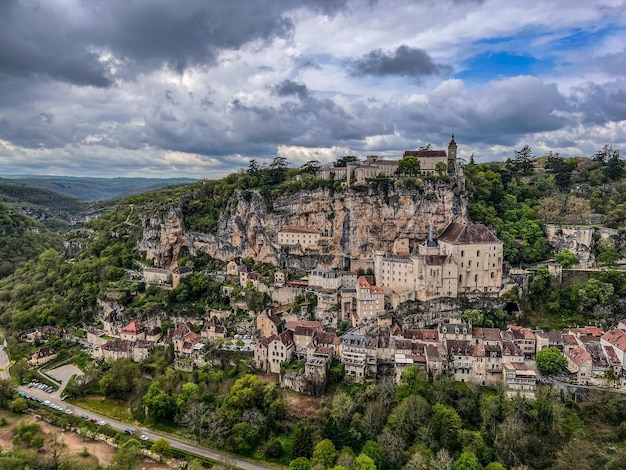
column 354, row 224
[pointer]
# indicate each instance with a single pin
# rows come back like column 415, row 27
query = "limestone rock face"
column 354, row 224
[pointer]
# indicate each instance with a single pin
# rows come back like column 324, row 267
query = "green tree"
column 324, row 453
column 244, row 438
column 540, row 280
column 364, row 462
column 7, row 390
column 566, row 258
column 495, row 466
column 409, row 166
column 342, row 162
column 162, row 447
column 21, row 370
column 161, row 406
column 301, row 463
column 446, row 424
column 19, row 405
column 246, row 392
column 441, row 168
column 374, row 451
column 467, row 461
column 473, row 316
column 303, row 441
column 550, row 360
column 127, row 456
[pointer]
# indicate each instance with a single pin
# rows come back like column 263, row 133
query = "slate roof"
column 457, row 233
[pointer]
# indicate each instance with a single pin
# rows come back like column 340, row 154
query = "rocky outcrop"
column 354, row 224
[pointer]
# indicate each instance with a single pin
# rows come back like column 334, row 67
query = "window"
column 475, row 277
column 477, row 252
column 462, row 253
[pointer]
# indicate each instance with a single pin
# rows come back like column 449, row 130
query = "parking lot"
column 64, row 373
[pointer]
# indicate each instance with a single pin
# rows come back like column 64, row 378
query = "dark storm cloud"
column 603, row 103
column 98, row 42
column 290, row 88
column 405, row 60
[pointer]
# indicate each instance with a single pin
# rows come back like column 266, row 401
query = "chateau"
column 359, row 172
column 465, row 259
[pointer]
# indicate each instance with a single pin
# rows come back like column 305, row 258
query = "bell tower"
column 452, row 156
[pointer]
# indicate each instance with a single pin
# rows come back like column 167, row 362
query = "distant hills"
column 94, row 189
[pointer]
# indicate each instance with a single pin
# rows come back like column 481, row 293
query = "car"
column 84, row 416
column 101, row 423
column 128, row 431
column 143, row 437
column 47, row 402
column 69, row 412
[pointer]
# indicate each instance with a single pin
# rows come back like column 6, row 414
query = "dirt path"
column 99, row 452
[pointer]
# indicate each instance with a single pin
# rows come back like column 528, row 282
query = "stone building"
column 306, row 237
column 465, row 259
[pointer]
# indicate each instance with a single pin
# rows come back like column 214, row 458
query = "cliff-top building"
column 373, row 166
column 465, row 259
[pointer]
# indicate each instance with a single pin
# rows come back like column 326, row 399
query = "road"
column 152, row 435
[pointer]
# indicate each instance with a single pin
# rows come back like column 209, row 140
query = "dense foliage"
column 22, row 239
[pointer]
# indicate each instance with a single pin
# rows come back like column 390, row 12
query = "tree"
column 364, row 462
column 342, row 162
column 467, row 461
column 446, row 424
column 301, row 463
column 162, row 447
column 127, row 456
column 20, row 369
column 540, row 281
column 495, row 466
column 441, row 168
column 473, row 317
column 566, row 258
column 373, row 450
column 7, row 390
column 311, row 167
column 550, row 360
column 324, row 453
column 409, row 165
column 523, row 162
column 303, row 442
column 160, row 405
column 246, row 392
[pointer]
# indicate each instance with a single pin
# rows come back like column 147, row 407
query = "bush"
column 274, row 449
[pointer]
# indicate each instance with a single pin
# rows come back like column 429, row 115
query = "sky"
column 198, row 88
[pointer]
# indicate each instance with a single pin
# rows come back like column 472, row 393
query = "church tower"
column 452, row 156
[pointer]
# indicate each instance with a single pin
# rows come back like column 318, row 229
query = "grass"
column 114, row 409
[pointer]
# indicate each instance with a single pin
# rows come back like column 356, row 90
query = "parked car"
column 143, row 437
column 128, row 431
column 93, row 420
column 101, row 423
column 84, row 416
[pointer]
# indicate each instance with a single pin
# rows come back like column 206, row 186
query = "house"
column 95, row 336
column 461, row 331
column 268, row 324
column 487, row 336
column 370, row 301
column 279, row 350
column 579, row 362
column 519, row 380
column 157, row 276
column 615, row 340
column 525, row 340
column 436, row 359
column 422, row 335
column 112, row 320
column 213, row 330
column 133, row 331
column 549, row 339
column 180, row 273
column 325, row 279
column 183, row 338
column 306, row 237
column 247, row 275
column 232, row 268
column 49, row 330
column 303, row 339
column 141, row 350
column 41, row 356
column 511, row 353
column 30, row 335
column 354, row 356
column 493, row 364
column 459, row 359
column 116, row 349
column 153, row 334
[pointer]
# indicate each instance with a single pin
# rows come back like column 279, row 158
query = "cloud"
column 95, row 44
column 289, row 88
column 404, row 61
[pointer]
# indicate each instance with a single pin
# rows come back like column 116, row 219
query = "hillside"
column 97, row 189
column 22, row 239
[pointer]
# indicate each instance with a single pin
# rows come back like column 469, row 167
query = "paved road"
column 152, row 435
